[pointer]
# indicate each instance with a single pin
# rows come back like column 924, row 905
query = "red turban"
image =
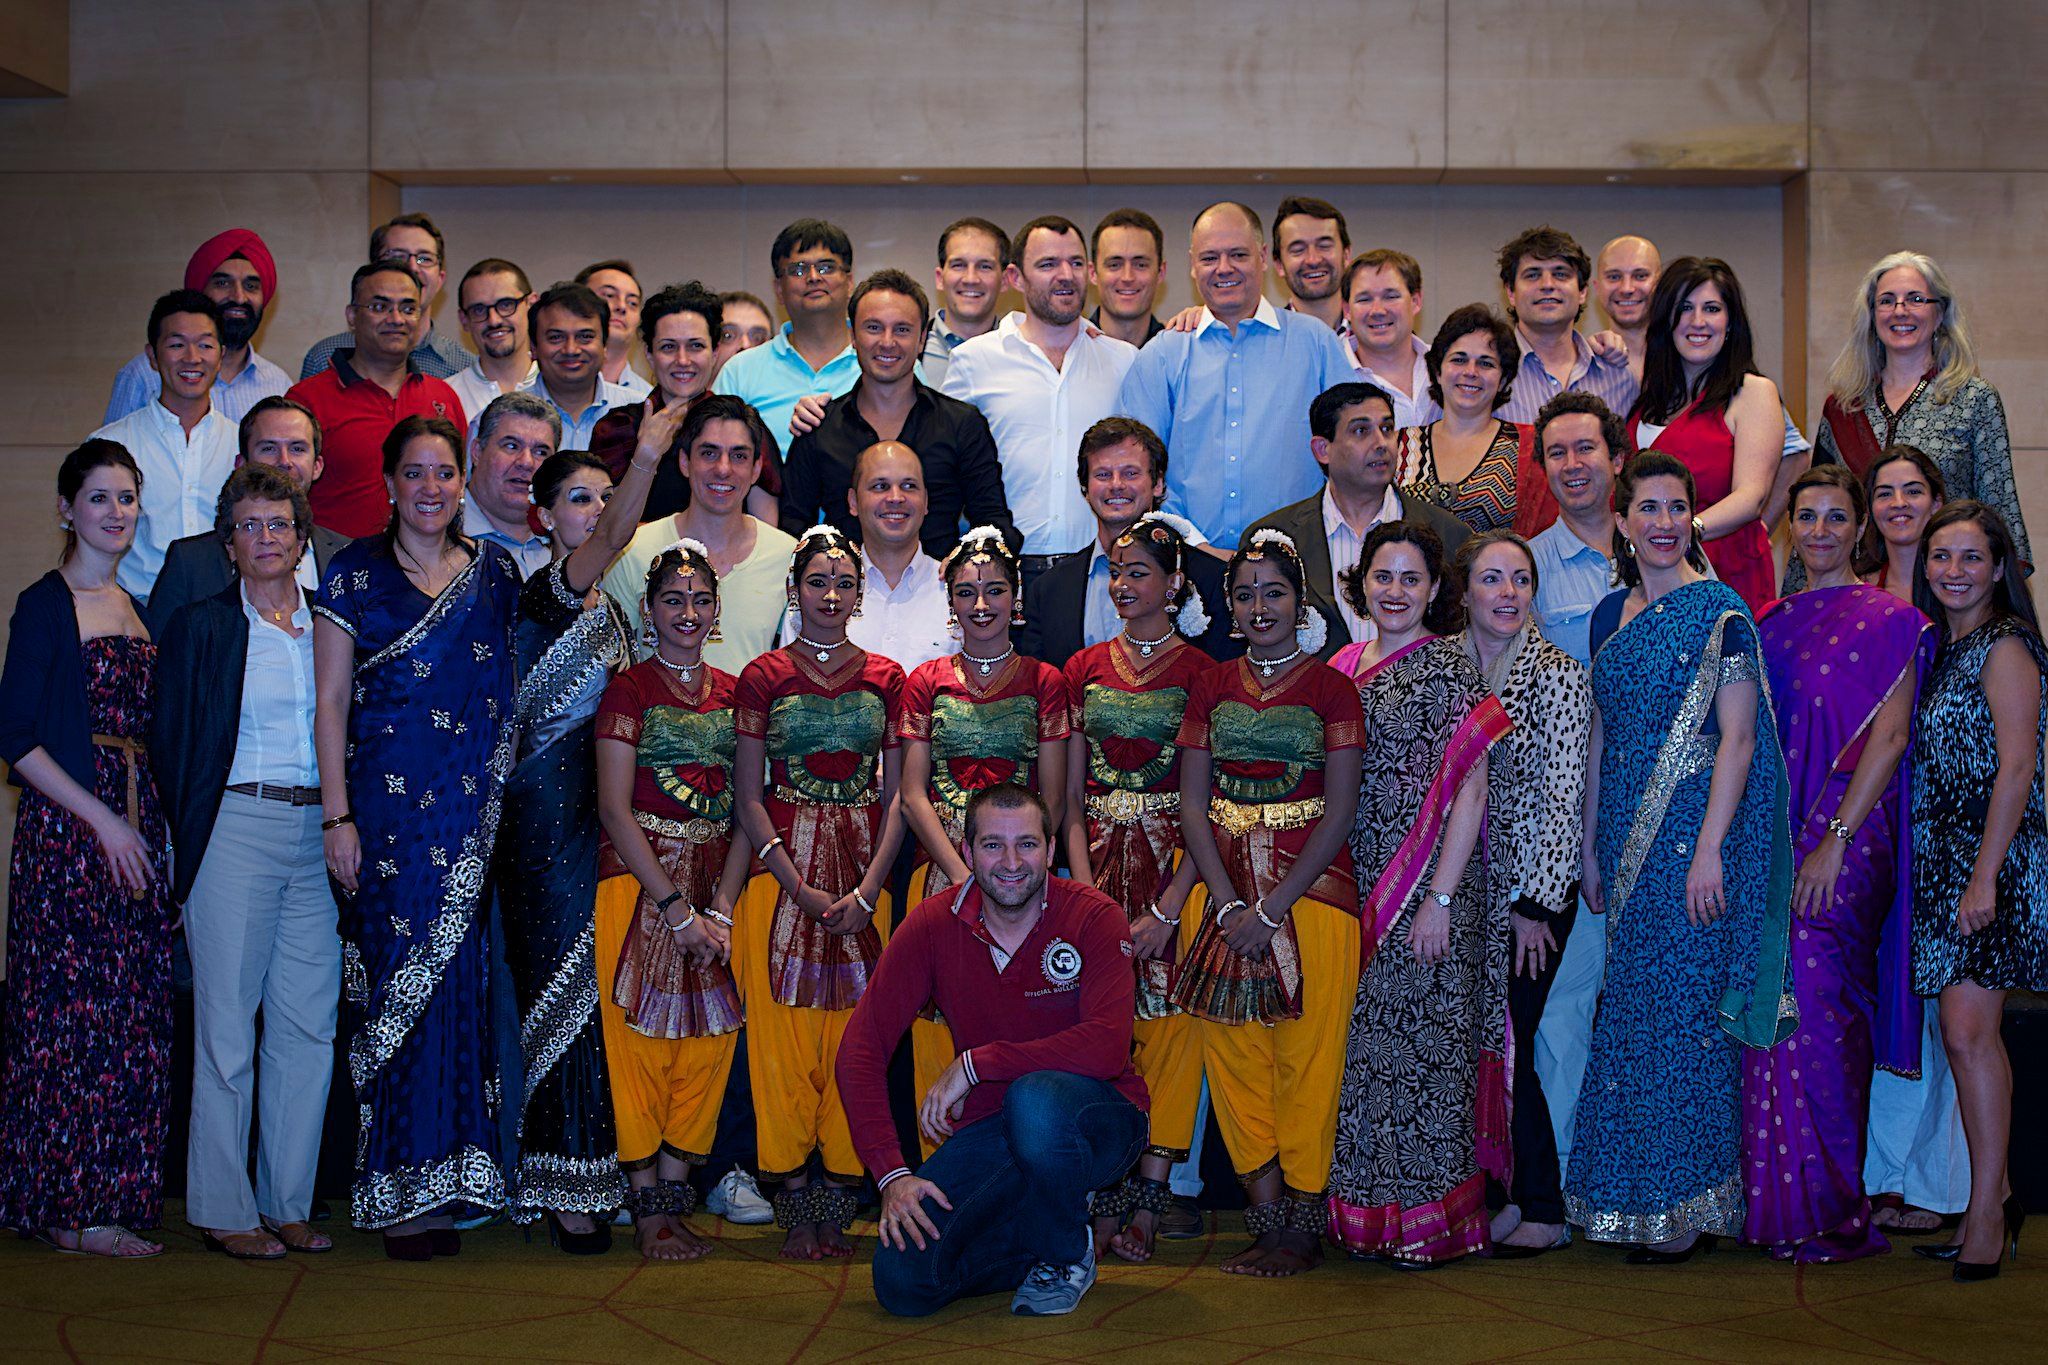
column 234, row 242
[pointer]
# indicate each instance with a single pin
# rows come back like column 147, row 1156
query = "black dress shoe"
column 445, row 1241
column 1944, row 1251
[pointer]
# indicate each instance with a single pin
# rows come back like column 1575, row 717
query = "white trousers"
column 1917, row 1149
column 1564, row 1038
column 260, row 925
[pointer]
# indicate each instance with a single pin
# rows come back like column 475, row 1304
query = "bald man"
column 1624, row 277
column 1230, row 398
column 903, row 607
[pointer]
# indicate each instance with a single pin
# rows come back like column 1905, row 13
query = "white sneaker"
column 1051, row 1290
column 738, row 1200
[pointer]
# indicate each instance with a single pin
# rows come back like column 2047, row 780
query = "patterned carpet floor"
column 507, row 1300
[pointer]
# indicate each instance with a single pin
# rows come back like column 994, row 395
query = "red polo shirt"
column 1062, row 1003
column 355, row 416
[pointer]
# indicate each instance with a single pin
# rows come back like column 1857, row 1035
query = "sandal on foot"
column 300, row 1237
column 244, row 1246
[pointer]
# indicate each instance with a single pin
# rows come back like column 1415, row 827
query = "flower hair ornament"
column 833, row 543
column 1311, row 632
column 987, row 545
column 1190, row 618
column 689, row 557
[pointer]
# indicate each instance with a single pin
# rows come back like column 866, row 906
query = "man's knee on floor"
column 904, row 1283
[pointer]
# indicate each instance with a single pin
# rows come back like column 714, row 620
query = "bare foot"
column 802, row 1244
column 1246, row 1262
column 1104, row 1231
column 662, row 1237
column 1134, row 1243
column 832, row 1241
column 111, row 1240
column 1505, row 1222
column 1532, row 1235
column 1906, row 1218
column 1295, row 1253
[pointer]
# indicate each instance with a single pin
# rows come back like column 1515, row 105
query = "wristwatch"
column 1441, row 899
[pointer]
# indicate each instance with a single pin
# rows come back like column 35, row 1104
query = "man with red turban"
column 235, row 270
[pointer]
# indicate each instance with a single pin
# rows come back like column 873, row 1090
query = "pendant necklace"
column 687, row 672
column 987, row 666
column 1145, row 647
column 1266, row 666
column 824, row 651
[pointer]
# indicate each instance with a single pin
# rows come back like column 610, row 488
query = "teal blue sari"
column 1659, row 1146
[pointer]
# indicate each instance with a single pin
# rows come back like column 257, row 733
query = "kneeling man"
column 1040, row 1107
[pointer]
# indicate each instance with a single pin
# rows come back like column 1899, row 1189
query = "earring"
column 792, row 598
column 854, row 615
column 1172, row 608
column 1236, row 631
column 952, row 624
column 713, row 637
column 1628, row 547
column 648, row 639
column 1017, row 611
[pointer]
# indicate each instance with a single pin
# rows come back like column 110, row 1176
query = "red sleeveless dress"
column 1742, row 558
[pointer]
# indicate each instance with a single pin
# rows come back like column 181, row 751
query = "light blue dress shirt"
column 137, row 385
column 1233, row 411
column 576, row 426
column 1571, row 578
column 773, row 377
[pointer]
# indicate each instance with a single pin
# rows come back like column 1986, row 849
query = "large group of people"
column 1413, row 753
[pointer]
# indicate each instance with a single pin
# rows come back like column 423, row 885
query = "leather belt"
column 130, row 750
column 275, row 791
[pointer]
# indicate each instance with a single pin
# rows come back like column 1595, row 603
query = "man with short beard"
column 1312, row 245
column 235, row 270
column 493, row 300
column 1042, row 378
column 1040, row 1107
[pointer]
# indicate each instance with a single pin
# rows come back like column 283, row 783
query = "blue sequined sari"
column 430, row 744
column 1659, row 1145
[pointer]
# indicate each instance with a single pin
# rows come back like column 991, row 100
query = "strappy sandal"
column 299, row 1237
column 237, row 1245
column 113, row 1252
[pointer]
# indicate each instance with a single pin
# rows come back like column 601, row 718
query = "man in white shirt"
column 568, row 327
column 184, row 448
column 1352, row 438
column 514, row 437
column 1041, row 379
column 1382, row 304
column 494, row 300
column 617, row 284
column 904, row 614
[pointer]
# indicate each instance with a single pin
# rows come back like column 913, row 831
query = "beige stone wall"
column 1798, row 139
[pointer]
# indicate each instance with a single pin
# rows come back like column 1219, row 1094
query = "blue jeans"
column 1019, row 1182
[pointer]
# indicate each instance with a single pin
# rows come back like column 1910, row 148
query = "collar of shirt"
column 302, row 615
column 1564, row 542
column 346, row 372
column 607, row 397
column 920, row 575
column 785, row 350
column 1421, row 365
column 1010, row 331
column 475, row 371
column 1343, row 327
column 480, row 527
column 943, row 330
column 1265, row 315
column 846, row 407
column 1333, row 520
column 1583, row 358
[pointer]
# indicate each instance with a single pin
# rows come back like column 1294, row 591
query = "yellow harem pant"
column 665, row 1091
column 790, row 1053
column 1275, row 1088
column 1167, row 1054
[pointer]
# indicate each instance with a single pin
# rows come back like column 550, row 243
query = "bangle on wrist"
column 1225, row 909
column 716, row 917
column 862, row 902
column 682, row 924
column 1153, row 910
column 1840, row 830
column 1259, row 909
column 345, row 818
column 763, row 854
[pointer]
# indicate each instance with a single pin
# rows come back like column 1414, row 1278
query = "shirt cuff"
column 883, row 1182
column 967, row 1065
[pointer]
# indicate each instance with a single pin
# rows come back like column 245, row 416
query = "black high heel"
column 1702, row 1245
column 596, row 1242
column 1968, row 1272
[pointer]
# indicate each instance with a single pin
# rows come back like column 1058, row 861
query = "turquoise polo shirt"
column 773, row 377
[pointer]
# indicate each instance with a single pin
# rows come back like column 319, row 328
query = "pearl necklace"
column 987, row 666
column 824, row 651
column 1266, row 666
column 1145, row 647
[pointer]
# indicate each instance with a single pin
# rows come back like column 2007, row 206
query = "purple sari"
column 1834, row 656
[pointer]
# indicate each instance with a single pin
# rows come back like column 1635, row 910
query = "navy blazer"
column 42, row 687
column 1056, row 610
column 199, row 667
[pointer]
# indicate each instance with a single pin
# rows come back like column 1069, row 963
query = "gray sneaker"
column 1050, row 1290
column 737, row 1199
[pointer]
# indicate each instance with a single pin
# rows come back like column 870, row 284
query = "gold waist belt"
column 1238, row 819
column 790, row 796
column 695, row 831
column 1121, row 807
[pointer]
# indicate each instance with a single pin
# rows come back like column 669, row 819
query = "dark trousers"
column 1018, row 1182
column 1537, row 1182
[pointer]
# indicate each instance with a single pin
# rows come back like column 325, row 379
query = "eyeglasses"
column 1915, row 300
column 824, row 270
column 425, row 260
column 377, row 308
column 504, row 308
column 277, row 526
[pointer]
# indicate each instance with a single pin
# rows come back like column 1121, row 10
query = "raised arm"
column 621, row 517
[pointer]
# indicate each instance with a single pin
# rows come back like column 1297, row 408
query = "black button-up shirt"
column 962, row 476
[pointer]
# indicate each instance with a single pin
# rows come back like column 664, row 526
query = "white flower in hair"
column 1313, row 636
column 825, row 529
column 688, row 547
column 1192, row 620
column 1270, row 536
column 1182, row 527
column 982, row 539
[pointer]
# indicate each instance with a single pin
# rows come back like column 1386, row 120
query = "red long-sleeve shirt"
column 1062, row 1002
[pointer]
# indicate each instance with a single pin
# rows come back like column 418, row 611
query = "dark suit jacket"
column 200, row 658
column 1303, row 523
column 197, row 567
column 1055, row 612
